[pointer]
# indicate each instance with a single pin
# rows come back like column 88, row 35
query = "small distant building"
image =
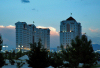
column 27, row 34
column 69, row 29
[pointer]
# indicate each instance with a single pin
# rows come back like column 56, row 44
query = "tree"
column 74, row 52
column 9, row 56
column 81, row 51
column 65, row 54
column 2, row 62
column 1, row 41
column 13, row 54
column 87, row 53
column 18, row 54
column 38, row 57
column 56, row 60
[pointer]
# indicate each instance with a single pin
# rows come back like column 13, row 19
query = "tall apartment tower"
column 69, row 29
column 28, row 33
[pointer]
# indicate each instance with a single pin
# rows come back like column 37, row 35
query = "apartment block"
column 27, row 34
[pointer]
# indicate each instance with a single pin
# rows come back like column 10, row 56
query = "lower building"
column 27, row 34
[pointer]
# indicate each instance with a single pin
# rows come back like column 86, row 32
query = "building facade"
column 69, row 29
column 27, row 34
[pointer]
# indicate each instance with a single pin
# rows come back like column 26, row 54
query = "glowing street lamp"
column 20, row 47
column 5, row 46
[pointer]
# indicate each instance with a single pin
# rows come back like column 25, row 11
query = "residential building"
column 27, row 34
column 69, row 29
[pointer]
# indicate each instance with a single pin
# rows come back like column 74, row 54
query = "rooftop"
column 70, row 18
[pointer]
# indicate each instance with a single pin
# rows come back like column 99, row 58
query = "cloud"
column 25, row 1
column 1, row 26
column 53, row 31
column 8, row 35
column 9, row 27
column 33, row 9
column 94, row 35
column 94, row 30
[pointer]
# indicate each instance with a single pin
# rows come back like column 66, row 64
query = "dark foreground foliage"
column 2, row 62
column 56, row 61
column 38, row 57
column 80, row 52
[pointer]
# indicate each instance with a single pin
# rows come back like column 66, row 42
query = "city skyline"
column 49, row 13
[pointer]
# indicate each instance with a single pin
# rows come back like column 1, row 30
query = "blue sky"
column 49, row 13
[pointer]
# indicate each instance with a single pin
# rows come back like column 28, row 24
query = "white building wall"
column 75, row 30
column 26, row 34
column 44, row 35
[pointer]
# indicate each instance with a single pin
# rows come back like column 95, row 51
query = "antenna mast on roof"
column 70, row 14
column 33, row 21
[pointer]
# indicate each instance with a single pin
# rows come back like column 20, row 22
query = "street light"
column 20, row 47
column 5, row 46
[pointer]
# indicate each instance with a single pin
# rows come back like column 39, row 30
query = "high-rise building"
column 69, row 29
column 27, row 34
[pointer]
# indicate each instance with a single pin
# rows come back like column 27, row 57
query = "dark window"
column 33, row 28
column 24, row 25
column 68, row 28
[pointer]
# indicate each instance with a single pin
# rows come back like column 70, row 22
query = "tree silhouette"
column 13, row 54
column 81, row 51
column 87, row 53
column 65, row 55
column 1, row 41
column 2, row 62
column 56, row 60
column 38, row 57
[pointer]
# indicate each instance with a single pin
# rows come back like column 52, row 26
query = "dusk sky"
column 49, row 13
